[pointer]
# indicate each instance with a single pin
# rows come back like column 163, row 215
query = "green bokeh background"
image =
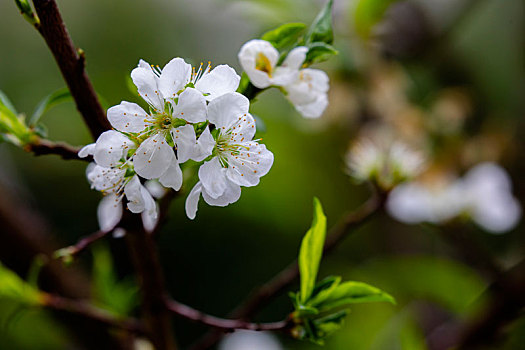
column 213, row 262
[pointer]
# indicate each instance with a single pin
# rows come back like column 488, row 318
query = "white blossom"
column 484, row 195
column 259, row 60
column 236, row 161
column 309, row 93
column 386, row 163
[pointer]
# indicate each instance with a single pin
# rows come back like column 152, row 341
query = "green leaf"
column 311, row 251
column 321, row 28
column 329, row 324
column 6, row 102
column 368, row 13
column 13, row 287
column 323, row 289
column 284, row 35
column 351, row 293
column 117, row 296
column 319, row 52
column 53, row 99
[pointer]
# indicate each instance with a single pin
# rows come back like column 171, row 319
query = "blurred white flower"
column 237, row 159
column 250, row 340
column 386, row 164
column 259, row 60
column 484, row 194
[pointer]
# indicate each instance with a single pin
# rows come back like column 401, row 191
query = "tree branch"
column 222, row 323
column 44, row 147
column 144, row 254
column 275, row 286
column 71, row 65
column 83, row 243
column 87, row 310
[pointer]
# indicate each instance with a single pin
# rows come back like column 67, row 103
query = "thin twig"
column 82, row 244
column 71, row 65
column 223, row 324
column 275, row 286
column 87, row 310
column 43, row 147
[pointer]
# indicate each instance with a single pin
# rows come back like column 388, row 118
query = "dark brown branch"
column 71, row 65
column 262, row 295
column 83, row 243
column 222, row 323
column 86, row 310
column 44, row 147
column 144, row 254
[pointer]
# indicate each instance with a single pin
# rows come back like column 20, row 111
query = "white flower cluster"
column 387, row 164
column 484, row 195
column 307, row 89
column 193, row 114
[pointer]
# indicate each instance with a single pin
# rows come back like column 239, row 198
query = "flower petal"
column 185, row 139
column 221, row 80
column 127, row 117
column 294, row 60
column 314, row 109
column 87, row 150
column 134, row 195
column 231, row 194
column 175, row 75
column 244, row 129
column 149, row 219
column 192, row 202
column 153, row 157
column 155, row 189
column 146, row 82
column 172, row 177
column 204, row 147
column 212, row 177
column 226, row 109
column 109, row 212
column 110, row 147
column 248, row 166
column 191, row 106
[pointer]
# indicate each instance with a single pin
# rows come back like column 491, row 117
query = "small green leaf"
column 319, row 52
column 321, row 29
column 311, row 251
column 6, row 102
column 351, row 293
column 284, row 35
column 53, row 99
column 323, row 289
column 368, row 13
column 329, row 324
column 13, row 287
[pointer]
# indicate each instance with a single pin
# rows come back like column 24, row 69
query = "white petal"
column 192, row 202
column 295, row 58
column 134, row 195
column 226, row 110
column 155, row 188
column 212, row 176
column 246, row 170
column 191, row 106
column 172, row 177
column 221, row 80
column 109, row 212
column 186, row 141
column 153, row 157
column 310, row 84
column 244, row 129
column 149, row 220
column 231, row 194
column 87, row 150
column 110, row 147
column 283, row 76
column 204, row 147
column 127, row 117
column 175, row 75
column 248, row 56
column 146, row 82
column 314, row 109
column 150, row 207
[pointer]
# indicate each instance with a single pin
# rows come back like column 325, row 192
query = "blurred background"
column 447, row 78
